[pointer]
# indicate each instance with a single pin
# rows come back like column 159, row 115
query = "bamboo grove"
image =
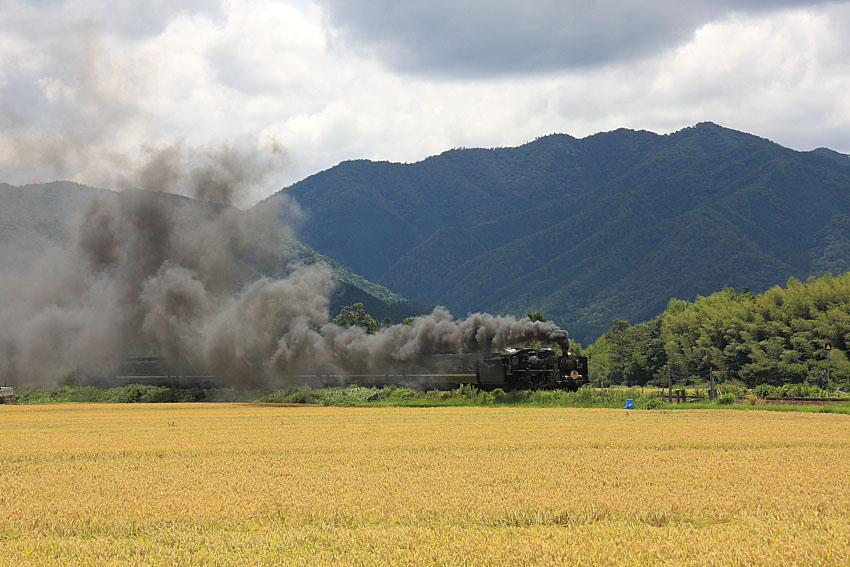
column 776, row 337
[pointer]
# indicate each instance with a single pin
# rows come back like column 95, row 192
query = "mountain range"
column 585, row 230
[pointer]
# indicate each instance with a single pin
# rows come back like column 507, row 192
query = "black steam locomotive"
column 529, row 369
column 515, row 369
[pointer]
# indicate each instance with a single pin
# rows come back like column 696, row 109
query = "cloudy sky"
column 90, row 90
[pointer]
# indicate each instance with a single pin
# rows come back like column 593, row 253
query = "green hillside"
column 586, row 230
column 35, row 217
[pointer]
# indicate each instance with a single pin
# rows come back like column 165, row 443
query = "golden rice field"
column 204, row 484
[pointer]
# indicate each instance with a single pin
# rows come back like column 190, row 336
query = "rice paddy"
column 231, row 484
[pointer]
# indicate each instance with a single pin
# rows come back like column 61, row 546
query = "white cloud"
column 87, row 91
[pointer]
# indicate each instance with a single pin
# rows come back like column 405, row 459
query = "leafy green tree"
column 356, row 316
column 631, row 355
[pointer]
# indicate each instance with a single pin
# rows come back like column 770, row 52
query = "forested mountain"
column 586, row 230
column 777, row 337
column 35, row 217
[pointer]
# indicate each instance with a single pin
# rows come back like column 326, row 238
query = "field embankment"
column 394, row 396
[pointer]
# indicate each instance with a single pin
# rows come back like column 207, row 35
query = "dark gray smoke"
column 154, row 273
column 145, row 271
column 353, row 350
column 218, row 173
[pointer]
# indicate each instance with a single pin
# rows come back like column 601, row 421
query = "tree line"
column 785, row 335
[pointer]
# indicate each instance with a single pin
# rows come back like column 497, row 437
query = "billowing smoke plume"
column 161, row 274
column 146, row 269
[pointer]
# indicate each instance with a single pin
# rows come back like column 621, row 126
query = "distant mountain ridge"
column 585, row 230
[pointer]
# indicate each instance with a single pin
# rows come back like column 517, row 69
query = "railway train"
column 514, row 369
column 160, row 371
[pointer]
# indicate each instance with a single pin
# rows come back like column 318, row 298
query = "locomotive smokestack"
column 565, row 346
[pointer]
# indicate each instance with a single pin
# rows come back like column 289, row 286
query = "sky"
column 96, row 91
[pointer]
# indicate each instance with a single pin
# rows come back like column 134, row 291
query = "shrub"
column 651, row 403
column 467, row 391
column 292, row 395
column 73, row 378
column 726, row 399
column 586, row 396
column 499, row 396
column 764, row 391
column 734, row 387
column 804, row 390
column 548, row 398
column 401, row 394
column 518, row 396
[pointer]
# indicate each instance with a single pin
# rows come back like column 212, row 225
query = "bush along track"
column 360, row 396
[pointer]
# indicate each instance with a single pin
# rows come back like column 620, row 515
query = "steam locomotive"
column 529, row 369
column 515, row 369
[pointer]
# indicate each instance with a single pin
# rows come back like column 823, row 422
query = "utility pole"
column 712, row 393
